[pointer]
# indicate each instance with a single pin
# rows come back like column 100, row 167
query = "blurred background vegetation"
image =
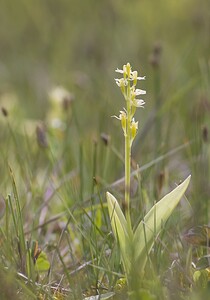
column 77, row 45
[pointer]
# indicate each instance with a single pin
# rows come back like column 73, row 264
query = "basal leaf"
column 150, row 227
column 120, row 228
column 42, row 263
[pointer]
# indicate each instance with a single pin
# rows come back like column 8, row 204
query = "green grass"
column 53, row 181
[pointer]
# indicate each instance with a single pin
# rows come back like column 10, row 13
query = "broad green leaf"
column 42, row 263
column 116, row 212
column 150, row 227
column 201, row 278
column 120, row 229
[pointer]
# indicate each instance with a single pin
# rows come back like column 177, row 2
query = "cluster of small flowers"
column 123, row 83
column 127, row 85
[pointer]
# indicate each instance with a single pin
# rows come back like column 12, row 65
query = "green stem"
column 128, row 159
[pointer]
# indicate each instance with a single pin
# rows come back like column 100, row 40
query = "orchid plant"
column 135, row 245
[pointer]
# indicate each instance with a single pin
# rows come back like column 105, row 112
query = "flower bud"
column 123, row 119
column 135, row 75
column 128, row 70
column 134, row 128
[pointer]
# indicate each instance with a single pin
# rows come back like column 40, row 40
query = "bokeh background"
column 78, row 44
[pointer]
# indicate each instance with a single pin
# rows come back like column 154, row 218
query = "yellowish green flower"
column 134, row 128
column 123, row 118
